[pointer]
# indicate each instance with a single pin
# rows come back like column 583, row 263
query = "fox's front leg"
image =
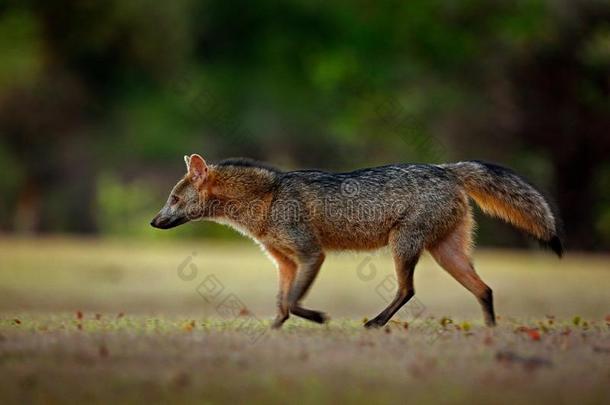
column 294, row 281
column 286, row 270
column 308, row 268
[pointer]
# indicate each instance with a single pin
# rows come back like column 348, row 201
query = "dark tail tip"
column 555, row 245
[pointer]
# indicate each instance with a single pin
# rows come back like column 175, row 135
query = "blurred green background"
column 99, row 100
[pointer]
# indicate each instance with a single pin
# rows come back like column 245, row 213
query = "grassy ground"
column 130, row 321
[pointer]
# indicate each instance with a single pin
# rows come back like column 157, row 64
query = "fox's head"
column 187, row 199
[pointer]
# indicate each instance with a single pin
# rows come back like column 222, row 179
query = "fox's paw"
column 279, row 321
column 310, row 315
column 319, row 317
column 374, row 324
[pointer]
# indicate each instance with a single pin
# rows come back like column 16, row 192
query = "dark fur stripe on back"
column 246, row 162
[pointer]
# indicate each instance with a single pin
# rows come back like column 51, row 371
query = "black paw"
column 310, row 315
column 319, row 317
column 374, row 324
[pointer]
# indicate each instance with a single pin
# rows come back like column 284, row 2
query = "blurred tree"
column 562, row 88
column 118, row 90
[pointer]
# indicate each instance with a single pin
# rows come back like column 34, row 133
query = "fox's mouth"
column 167, row 222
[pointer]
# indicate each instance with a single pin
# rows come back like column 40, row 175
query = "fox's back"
column 357, row 210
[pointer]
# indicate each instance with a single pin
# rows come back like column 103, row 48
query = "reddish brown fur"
column 494, row 206
column 453, row 254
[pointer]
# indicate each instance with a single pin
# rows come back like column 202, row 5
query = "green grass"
column 103, row 321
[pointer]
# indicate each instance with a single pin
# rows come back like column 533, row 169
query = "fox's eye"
column 174, row 200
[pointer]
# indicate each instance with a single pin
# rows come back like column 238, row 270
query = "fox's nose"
column 155, row 221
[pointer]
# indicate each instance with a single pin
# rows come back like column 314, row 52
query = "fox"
column 297, row 217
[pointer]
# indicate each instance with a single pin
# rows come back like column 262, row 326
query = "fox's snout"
column 155, row 221
column 158, row 222
column 164, row 222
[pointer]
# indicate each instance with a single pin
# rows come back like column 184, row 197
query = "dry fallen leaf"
column 189, row 326
column 79, row 315
column 534, row 334
column 245, row 312
column 445, row 321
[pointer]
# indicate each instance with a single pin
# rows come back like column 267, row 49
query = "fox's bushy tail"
column 502, row 193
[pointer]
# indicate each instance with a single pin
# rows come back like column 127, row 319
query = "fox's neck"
column 240, row 197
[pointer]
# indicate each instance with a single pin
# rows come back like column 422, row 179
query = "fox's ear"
column 186, row 162
column 197, row 168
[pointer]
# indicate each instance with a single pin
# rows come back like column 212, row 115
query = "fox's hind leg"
column 452, row 253
column 406, row 249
